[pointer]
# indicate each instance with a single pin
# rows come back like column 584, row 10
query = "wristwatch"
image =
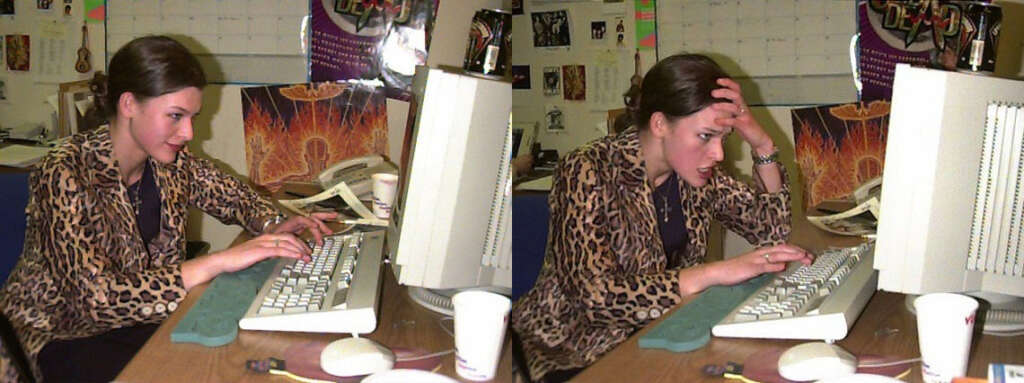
column 764, row 160
column 277, row 219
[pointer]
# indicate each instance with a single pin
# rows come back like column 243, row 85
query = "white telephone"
column 356, row 173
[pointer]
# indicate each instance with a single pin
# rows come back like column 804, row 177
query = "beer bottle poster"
column 348, row 39
column 926, row 33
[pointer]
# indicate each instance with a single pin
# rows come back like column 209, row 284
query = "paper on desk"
column 302, row 205
column 540, row 184
column 850, row 222
column 22, row 156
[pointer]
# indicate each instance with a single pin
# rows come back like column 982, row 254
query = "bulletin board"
column 46, row 39
column 796, row 51
column 236, row 41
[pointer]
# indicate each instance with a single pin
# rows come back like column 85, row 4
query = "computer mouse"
column 356, row 357
column 816, row 361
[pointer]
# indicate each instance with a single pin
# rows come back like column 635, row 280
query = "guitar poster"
column 293, row 132
column 839, row 147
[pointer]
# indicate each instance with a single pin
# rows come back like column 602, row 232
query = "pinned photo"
column 520, row 77
column 552, row 80
column 551, row 29
column 598, row 30
column 18, row 52
column 554, row 119
column 574, row 79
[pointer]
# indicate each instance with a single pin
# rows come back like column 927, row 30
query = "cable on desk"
column 903, row 374
column 738, row 377
column 440, row 322
column 276, row 367
column 887, row 364
column 298, row 378
column 419, row 357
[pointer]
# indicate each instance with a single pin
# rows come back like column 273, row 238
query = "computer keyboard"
column 337, row 291
column 819, row 301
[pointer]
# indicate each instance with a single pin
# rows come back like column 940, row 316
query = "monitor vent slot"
column 996, row 238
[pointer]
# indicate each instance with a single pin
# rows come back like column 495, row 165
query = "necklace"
column 135, row 191
column 664, row 208
column 135, row 195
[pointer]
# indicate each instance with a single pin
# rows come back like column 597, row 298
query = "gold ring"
column 767, row 257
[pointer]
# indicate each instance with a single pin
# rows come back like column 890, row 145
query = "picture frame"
column 73, row 99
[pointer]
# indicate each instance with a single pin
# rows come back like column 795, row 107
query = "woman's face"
column 692, row 145
column 162, row 125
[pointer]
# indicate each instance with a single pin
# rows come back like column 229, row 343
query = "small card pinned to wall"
column 520, row 77
column 552, row 81
column 554, row 119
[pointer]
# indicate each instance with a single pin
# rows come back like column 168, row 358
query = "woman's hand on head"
column 314, row 223
column 741, row 119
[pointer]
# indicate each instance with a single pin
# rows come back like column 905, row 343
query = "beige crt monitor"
column 451, row 222
column 952, row 206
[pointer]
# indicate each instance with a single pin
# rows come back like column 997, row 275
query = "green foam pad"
column 689, row 327
column 213, row 320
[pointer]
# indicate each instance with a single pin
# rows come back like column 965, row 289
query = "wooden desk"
column 884, row 328
column 402, row 323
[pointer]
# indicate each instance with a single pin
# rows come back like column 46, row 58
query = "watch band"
column 764, row 160
column 277, row 219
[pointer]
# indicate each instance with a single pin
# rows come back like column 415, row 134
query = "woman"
column 630, row 215
column 103, row 261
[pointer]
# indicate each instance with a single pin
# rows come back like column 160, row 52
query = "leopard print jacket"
column 605, row 273
column 84, row 269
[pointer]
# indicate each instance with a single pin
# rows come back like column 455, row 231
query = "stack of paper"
column 22, row 156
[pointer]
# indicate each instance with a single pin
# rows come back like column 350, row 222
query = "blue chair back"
column 13, row 199
column 530, row 217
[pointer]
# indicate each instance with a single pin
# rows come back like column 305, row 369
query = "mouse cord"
column 887, row 364
column 440, row 322
column 419, row 357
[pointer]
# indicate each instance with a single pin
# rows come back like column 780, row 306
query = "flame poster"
column 369, row 39
column 839, row 147
column 293, row 132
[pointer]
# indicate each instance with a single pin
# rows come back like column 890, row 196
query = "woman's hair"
column 678, row 86
column 148, row 67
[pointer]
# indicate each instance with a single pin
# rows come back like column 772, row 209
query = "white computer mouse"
column 356, row 357
column 815, row 361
